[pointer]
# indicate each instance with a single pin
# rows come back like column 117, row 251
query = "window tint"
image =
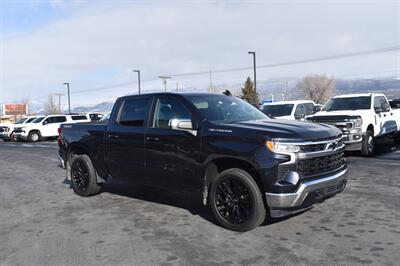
column 168, row 109
column 78, row 117
column 309, row 108
column 30, row 120
column 56, row 119
column 134, row 113
column 348, row 103
column 299, row 109
column 96, row 117
column 377, row 102
column 38, row 120
column 277, row 110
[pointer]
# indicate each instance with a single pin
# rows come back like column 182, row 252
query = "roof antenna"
column 227, row 93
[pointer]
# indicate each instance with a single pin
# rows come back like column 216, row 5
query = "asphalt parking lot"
column 42, row 222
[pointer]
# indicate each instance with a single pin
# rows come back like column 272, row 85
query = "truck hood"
column 342, row 113
column 291, row 129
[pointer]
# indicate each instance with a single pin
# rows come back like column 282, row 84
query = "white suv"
column 292, row 110
column 46, row 127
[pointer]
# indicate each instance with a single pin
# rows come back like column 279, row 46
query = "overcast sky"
column 97, row 44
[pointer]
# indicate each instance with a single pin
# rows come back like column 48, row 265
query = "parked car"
column 95, row 116
column 362, row 118
column 242, row 162
column 292, row 110
column 45, row 127
column 7, row 131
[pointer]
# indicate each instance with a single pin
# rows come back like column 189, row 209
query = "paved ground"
column 42, row 222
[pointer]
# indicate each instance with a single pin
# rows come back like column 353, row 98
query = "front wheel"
column 368, row 145
column 34, row 136
column 236, row 200
column 83, row 176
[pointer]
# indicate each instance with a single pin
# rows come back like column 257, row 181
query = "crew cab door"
column 51, row 125
column 125, row 139
column 384, row 118
column 171, row 153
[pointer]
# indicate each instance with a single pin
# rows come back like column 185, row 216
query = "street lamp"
column 69, row 98
column 138, row 72
column 254, row 68
column 164, row 81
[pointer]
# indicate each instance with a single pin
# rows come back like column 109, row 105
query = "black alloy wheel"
column 79, row 175
column 233, row 201
column 236, row 200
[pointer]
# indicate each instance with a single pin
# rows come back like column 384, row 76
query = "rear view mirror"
column 378, row 110
column 317, row 108
column 183, row 125
column 299, row 116
column 385, row 107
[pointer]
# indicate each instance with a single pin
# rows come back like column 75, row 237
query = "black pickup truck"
column 242, row 162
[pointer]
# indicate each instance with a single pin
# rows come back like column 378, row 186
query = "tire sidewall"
column 92, row 185
column 33, row 133
column 365, row 150
column 255, row 195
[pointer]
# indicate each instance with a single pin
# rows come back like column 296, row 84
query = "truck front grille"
column 17, row 130
column 2, row 129
column 309, row 167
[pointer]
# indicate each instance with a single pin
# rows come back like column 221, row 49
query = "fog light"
column 357, row 137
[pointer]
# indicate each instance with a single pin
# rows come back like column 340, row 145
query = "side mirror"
column 183, row 125
column 299, row 116
column 316, row 108
column 378, row 110
column 385, row 107
column 44, row 123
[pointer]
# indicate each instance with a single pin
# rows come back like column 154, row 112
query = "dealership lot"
column 43, row 222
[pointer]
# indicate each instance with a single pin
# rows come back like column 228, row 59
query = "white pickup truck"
column 46, row 127
column 292, row 110
column 7, row 131
column 362, row 118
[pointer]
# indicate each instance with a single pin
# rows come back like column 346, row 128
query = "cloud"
column 100, row 44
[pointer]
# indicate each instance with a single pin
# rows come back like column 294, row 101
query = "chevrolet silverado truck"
column 241, row 162
column 363, row 118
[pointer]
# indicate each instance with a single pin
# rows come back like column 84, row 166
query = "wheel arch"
column 217, row 165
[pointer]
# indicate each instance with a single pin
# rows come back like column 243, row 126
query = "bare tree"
column 318, row 88
column 50, row 107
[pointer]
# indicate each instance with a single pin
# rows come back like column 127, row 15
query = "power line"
column 295, row 62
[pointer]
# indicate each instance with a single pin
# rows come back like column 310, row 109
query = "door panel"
column 171, row 154
column 125, row 140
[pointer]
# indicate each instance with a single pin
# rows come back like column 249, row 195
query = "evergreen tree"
column 249, row 93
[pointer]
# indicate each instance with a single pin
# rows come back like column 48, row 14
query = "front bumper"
column 5, row 135
column 307, row 194
column 353, row 141
column 20, row 136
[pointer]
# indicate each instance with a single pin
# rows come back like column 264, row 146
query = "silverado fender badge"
column 220, row 130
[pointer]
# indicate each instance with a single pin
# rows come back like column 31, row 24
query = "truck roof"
column 290, row 102
column 171, row 93
column 358, row 95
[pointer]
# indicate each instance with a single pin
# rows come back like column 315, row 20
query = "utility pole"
column 164, row 81
column 177, row 86
column 254, row 68
column 211, row 84
column 286, row 95
column 69, row 97
column 138, row 72
column 272, row 97
column 59, row 101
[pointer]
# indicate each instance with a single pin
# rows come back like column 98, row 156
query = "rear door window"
column 134, row 112
column 78, row 117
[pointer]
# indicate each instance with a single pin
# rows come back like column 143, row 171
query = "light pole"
column 254, row 68
column 69, row 97
column 59, row 101
column 138, row 72
column 164, row 81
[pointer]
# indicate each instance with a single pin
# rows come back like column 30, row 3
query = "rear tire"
column 236, row 200
column 368, row 145
column 34, row 136
column 83, row 176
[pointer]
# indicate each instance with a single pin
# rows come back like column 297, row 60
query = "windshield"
column 30, row 120
column 348, row 103
column 20, row 121
column 105, row 118
column 38, row 120
column 225, row 109
column 278, row 109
